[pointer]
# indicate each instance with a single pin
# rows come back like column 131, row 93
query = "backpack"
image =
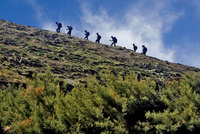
column 115, row 39
column 70, row 28
column 60, row 25
column 135, row 47
column 145, row 49
column 88, row 33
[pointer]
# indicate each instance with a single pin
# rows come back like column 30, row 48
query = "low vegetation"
column 25, row 49
column 90, row 88
column 106, row 104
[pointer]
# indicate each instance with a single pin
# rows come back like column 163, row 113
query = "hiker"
column 59, row 25
column 86, row 34
column 138, row 77
column 134, row 47
column 144, row 49
column 98, row 38
column 114, row 41
column 69, row 28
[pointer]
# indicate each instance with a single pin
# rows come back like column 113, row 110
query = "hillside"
column 95, row 90
column 25, row 49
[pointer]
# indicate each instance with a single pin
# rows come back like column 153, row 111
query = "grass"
column 71, row 57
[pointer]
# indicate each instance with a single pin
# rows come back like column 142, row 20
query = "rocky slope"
column 25, row 49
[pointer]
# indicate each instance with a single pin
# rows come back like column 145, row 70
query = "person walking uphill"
column 144, row 50
column 134, row 47
column 98, row 38
column 59, row 25
column 69, row 28
column 114, row 41
column 86, row 34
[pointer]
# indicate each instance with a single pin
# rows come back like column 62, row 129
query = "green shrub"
column 182, row 112
column 109, row 104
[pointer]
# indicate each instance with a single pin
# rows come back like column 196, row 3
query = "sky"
column 169, row 28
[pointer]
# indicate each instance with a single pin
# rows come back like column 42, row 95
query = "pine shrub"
column 105, row 104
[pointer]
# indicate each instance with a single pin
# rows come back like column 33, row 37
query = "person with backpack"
column 144, row 49
column 86, row 34
column 98, row 38
column 69, row 28
column 59, row 25
column 114, row 41
column 134, row 47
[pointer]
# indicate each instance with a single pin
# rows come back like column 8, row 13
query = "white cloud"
column 195, row 61
column 188, row 54
column 140, row 25
column 49, row 26
column 191, row 59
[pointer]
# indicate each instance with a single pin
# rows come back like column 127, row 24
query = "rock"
column 178, row 75
column 121, row 48
column 49, row 43
column 29, row 74
column 58, row 42
column 21, row 28
column 46, row 36
column 90, row 71
column 54, row 36
column 37, row 33
column 167, row 62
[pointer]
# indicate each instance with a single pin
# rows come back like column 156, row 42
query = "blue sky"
column 169, row 28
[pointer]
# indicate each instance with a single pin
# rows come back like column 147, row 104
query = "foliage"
column 105, row 104
column 181, row 114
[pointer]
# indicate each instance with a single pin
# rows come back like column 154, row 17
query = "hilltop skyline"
column 169, row 29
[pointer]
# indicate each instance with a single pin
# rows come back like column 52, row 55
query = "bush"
column 182, row 112
column 111, row 104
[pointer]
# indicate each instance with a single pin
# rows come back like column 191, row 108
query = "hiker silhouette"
column 86, row 34
column 134, row 48
column 98, row 38
column 59, row 25
column 144, row 49
column 69, row 28
column 114, row 41
column 138, row 77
